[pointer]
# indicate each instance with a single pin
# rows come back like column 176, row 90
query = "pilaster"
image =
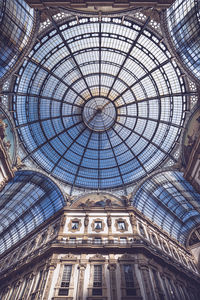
column 113, row 283
column 144, row 269
column 81, row 267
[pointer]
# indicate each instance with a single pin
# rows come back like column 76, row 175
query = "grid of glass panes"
column 28, row 200
column 128, row 274
column 64, row 291
column 66, row 276
column 129, row 281
column 97, row 281
column 184, row 28
column 15, row 31
column 145, row 87
column 166, row 200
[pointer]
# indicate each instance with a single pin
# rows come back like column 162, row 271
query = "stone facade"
column 128, row 257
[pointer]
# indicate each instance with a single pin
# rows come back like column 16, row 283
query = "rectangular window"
column 98, row 225
column 97, row 240
column 129, row 282
column 72, row 240
column 121, row 225
column 142, row 232
column 63, row 291
column 97, row 280
column 123, row 240
column 75, row 224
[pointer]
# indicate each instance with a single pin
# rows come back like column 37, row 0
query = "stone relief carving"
column 109, row 221
column 69, row 199
column 98, row 257
column 69, row 256
column 3, row 127
column 86, row 220
column 127, row 257
column 127, row 199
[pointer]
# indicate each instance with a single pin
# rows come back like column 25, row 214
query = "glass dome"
column 99, row 103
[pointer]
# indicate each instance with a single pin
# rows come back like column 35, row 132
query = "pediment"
column 97, row 257
column 69, row 256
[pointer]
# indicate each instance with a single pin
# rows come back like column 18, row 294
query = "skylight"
column 99, row 104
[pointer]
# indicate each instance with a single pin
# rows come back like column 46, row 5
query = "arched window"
column 169, row 201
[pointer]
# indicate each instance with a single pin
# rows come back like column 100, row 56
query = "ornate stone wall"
column 110, row 252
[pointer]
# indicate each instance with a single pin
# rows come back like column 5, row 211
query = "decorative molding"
column 117, row 226
column 126, row 257
column 97, row 257
column 102, row 225
column 109, row 220
column 70, row 224
column 68, row 257
column 86, row 220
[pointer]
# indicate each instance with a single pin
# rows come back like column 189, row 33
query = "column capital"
column 112, row 266
column 82, row 266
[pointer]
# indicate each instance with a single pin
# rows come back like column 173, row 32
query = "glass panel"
column 15, row 32
column 98, row 225
column 66, row 276
column 97, row 281
column 94, row 116
column 128, row 273
column 121, row 225
column 75, row 224
column 183, row 26
column 29, row 199
column 166, row 199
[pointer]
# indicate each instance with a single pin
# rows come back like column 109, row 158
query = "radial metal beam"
column 129, row 52
column 49, row 140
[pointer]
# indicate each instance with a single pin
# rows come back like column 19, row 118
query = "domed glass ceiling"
column 99, row 103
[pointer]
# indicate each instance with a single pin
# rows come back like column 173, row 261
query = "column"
column 47, row 276
column 147, row 281
column 80, row 291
